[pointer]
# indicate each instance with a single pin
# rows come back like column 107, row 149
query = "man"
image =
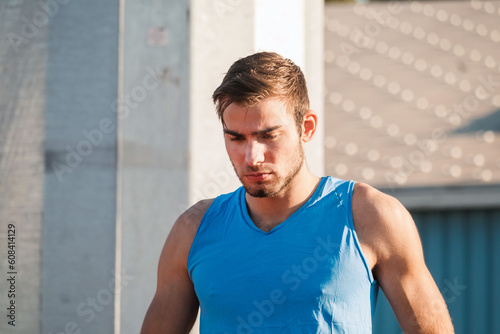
column 288, row 252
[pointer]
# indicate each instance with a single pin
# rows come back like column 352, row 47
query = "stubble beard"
column 271, row 189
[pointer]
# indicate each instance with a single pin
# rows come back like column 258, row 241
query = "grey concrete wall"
column 22, row 87
column 78, row 239
column 154, row 143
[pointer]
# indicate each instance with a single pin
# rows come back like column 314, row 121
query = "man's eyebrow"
column 264, row 131
column 232, row 133
column 255, row 133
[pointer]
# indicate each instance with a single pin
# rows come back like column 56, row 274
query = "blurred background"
column 412, row 106
column 108, row 133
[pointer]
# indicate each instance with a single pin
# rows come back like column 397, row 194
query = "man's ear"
column 309, row 125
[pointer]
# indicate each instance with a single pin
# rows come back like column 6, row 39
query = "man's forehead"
column 255, row 132
column 268, row 112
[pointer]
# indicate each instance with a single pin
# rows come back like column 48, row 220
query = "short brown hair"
column 261, row 75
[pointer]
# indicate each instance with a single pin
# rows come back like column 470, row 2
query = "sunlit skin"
column 266, row 150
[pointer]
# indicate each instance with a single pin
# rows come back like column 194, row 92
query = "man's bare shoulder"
column 190, row 220
column 382, row 223
column 181, row 236
column 371, row 206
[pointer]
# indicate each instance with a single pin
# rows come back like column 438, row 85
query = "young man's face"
column 263, row 145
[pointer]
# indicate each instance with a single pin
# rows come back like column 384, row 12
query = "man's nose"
column 254, row 154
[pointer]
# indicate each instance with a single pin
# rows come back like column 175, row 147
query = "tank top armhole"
column 193, row 244
column 350, row 190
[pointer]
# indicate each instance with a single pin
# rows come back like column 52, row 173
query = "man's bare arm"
column 391, row 242
column 175, row 305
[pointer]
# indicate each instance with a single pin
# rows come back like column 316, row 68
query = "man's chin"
column 260, row 191
column 258, row 194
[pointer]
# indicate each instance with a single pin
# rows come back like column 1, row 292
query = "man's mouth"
column 258, row 176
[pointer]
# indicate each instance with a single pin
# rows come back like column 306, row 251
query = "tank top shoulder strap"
column 343, row 191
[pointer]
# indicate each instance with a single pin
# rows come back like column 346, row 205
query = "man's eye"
column 269, row 136
column 236, row 138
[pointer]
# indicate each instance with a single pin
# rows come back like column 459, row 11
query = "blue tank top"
column 306, row 275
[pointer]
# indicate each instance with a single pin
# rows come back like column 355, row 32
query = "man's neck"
column 268, row 212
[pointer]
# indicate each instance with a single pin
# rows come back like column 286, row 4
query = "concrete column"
column 79, row 210
column 154, row 144
column 23, row 54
